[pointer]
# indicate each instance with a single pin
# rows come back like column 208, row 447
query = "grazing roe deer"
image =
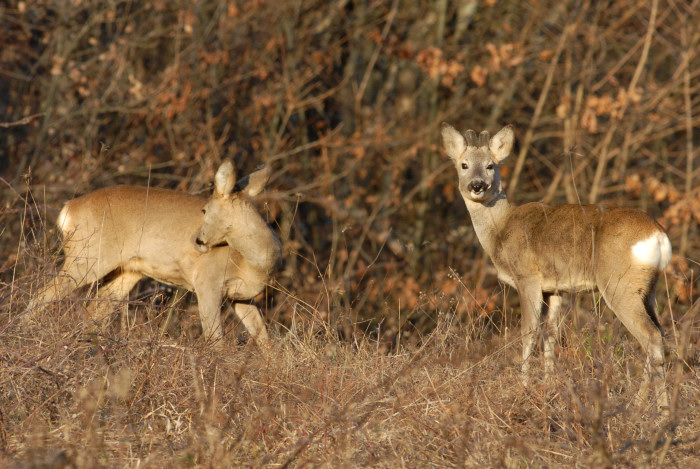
column 543, row 251
column 137, row 232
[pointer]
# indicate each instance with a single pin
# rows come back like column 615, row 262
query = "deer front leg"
column 253, row 322
column 531, row 306
column 553, row 305
column 209, row 300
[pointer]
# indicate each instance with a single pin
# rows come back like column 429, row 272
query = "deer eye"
column 465, row 166
column 204, row 211
column 489, row 166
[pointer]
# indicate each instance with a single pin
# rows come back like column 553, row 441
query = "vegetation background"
column 394, row 344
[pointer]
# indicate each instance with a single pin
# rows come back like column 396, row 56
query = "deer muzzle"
column 201, row 243
column 478, row 186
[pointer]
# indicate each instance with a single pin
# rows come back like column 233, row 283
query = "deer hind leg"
column 253, row 322
column 637, row 311
column 531, row 307
column 75, row 273
column 553, row 312
column 55, row 289
column 117, row 290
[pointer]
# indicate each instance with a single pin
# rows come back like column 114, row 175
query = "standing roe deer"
column 542, row 251
column 137, row 232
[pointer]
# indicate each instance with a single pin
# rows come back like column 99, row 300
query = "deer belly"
column 167, row 273
column 564, row 280
column 564, row 272
column 568, row 281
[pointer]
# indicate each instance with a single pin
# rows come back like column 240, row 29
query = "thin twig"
column 603, row 157
column 553, row 67
column 23, row 121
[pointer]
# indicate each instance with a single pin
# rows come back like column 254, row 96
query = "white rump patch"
column 63, row 220
column 654, row 251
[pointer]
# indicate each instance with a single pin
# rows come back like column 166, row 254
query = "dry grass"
column 143, row 394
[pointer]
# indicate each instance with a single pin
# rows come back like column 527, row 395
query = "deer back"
column 133, row 228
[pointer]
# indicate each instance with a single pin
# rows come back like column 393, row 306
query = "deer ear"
column 257, row 181
column 224, row 180
column 452, row 141
column 501, row 143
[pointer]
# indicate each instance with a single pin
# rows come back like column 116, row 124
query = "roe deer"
column 543, row 251
column 137, row 232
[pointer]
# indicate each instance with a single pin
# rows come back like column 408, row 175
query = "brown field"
column 393, row 343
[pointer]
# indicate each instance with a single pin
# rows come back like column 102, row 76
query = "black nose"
column 199, row 241
column 477, row 186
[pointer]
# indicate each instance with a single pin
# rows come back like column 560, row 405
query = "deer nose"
column 477, row 186
column 200, row 245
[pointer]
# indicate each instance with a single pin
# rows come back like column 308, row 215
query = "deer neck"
column 260, row 247
column 489, row 219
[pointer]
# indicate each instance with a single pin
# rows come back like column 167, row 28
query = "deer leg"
column 638, row 314
column 531, row 307
column 75, row 273
column 209, row 301
column 553, row 310
column 117, row 290
column 253, row 322
column 655, row 354
column 57, row 288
